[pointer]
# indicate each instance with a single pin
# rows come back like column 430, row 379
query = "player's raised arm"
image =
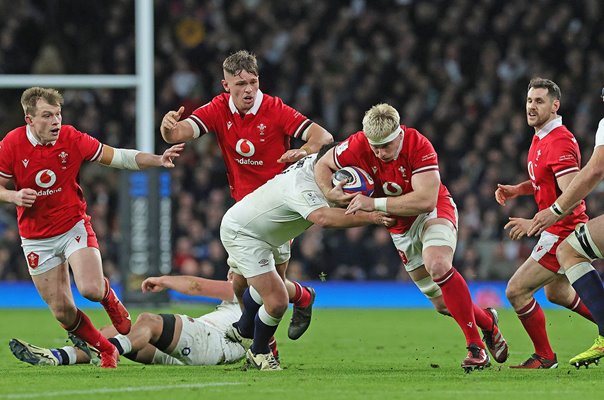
column 190, row 285
column 135, row 160
column 173, row 130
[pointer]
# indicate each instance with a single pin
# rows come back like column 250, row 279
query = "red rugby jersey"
column 394, row 178
column 250, row 144
column 52, row 171
column 554, row 152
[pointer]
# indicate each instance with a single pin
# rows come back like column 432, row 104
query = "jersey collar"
column 32, row 139
column 550, row 126
column 254, row 109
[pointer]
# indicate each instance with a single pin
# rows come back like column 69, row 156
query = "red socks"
column 302, row 296
column 459, row 303
column 83, row 328
column 533, row 320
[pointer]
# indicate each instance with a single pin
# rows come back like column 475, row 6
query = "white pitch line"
column 113, row 390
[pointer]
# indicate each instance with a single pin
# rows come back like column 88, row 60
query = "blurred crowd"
column 456, row 70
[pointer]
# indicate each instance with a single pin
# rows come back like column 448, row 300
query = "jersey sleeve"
column 89, row 147
column 600, row 134
column 6, row 165
column 424, row 157
column 203, row 119
column 564, row 158
column 349, row 152
column 306, row 200
column 294, row 123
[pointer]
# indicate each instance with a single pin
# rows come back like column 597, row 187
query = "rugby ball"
column 357, row 180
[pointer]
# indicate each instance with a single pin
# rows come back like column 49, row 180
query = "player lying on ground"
column 162, row 338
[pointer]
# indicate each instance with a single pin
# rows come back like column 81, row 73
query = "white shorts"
column 410, row 244
column 251, row 257
column 200, row 344
column 42, row 255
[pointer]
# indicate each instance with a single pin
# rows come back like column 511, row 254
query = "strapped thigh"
column 581, row 241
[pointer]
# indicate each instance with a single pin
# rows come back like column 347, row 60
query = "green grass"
column 346, row 354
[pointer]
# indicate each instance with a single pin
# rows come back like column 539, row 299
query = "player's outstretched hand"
column 25, row 197
column 167, row 159
column 541, row 221
column 518, row 227
column 292, row 155
column 170, row 120
column 152, row 284
column 360, row 203
column 505, row 192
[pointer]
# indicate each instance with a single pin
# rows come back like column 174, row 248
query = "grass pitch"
column 347, row 354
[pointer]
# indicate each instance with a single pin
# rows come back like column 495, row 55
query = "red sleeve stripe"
column 566, row 171
column 199, row 123
column 425, row 169
column 305, row 124
column 98, row 153
column 4, row 175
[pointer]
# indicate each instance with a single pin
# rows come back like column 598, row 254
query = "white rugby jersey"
column 276, row 212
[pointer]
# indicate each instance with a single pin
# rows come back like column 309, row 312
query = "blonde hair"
column 241, row 61
column 380, row 121
column 30, row 98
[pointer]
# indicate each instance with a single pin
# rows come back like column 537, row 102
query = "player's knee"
column 438, row 267
column 277, row 306
column 513, row 292
column 565, row 254
column 147, row 318
column 92, row 292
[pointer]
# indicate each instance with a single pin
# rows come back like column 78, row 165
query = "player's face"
column 45, row 124
column 540, row 108
column 243, row 89
column 389, row 151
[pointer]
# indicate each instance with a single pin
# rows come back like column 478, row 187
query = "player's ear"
column 225, row 85
column 556, row 106
column 28, row 119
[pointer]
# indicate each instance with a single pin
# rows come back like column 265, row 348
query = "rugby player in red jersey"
column 44, row 158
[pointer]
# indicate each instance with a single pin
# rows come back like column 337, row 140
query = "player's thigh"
column 559, row 290
column 528, row 278
column 587, row 240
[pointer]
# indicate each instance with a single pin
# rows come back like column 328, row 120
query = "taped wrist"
column 124, row 159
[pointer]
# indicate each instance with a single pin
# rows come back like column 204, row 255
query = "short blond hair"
column 30, row 98
column 380, row 121
column 241, row 61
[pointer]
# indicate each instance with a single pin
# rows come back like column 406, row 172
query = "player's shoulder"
column 15, row 136
column 563, row 135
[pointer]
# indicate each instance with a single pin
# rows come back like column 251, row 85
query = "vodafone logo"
column 46, row 178
column 245, row 148
column 392, row 189
column 531, row 170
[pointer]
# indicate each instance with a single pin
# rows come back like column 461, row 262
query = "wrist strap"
column 380, row 204
column 556, row 209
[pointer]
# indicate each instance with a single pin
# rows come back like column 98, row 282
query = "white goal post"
column 142, row 81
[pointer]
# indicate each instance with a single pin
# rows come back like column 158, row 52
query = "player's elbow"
column 428, row 205
column 321, row 218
